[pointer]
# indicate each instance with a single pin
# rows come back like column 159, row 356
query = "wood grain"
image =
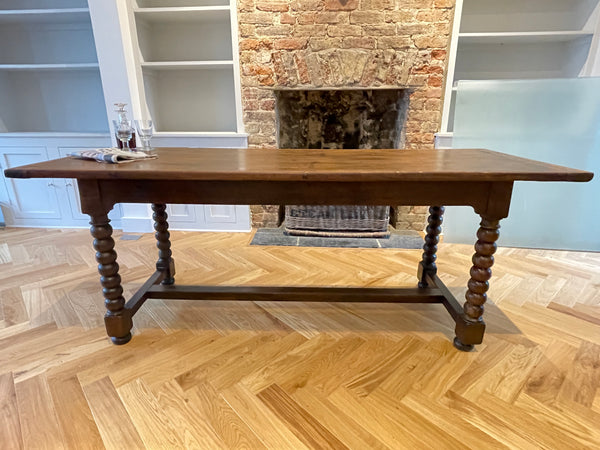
column 113, row 421
column 295, row 375
column 10, row 428
column 72, row 408
column 310, row 165
column 39, row 424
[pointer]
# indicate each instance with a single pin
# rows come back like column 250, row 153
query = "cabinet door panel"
column 181, row 214
column 220, row 214
column 72, row 192
column 30, row 198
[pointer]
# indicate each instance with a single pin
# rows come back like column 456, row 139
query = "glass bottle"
column 121, row 117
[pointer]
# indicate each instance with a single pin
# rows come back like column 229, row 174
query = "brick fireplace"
column 338, row 45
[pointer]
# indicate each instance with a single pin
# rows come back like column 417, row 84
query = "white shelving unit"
column 64, row 63
column 52, row 102
column 184, row 56
column 514, row 39
column 49, row 74
column 187, row 72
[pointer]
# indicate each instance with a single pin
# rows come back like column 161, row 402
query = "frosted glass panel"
column 555, row 121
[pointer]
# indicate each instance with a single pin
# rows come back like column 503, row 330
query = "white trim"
column 451, row 65
column 64, row 15
column 182, row 65
column 51, row 134
column 522, row 37
column 71, row 66
column 236, row 67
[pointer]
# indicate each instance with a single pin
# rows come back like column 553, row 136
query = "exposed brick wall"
column 338, row 44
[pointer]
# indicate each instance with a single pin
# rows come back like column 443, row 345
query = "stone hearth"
column 344, row 44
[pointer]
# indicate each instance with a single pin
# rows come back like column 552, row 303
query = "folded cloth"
column 110, row 155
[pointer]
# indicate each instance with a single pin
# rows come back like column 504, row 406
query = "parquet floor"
column 266, row 375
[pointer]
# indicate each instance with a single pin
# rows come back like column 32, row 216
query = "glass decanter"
column 122, row 123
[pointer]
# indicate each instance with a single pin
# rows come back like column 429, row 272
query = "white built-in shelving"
column 49, row 73
column 184, row 55
column 515, row 39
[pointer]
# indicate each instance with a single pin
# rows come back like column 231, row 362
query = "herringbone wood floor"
column 267, row 375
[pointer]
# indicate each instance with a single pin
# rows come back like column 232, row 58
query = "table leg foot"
column 462, row 347
column 121, row 340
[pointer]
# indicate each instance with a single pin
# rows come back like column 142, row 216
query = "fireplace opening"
column 333, row 119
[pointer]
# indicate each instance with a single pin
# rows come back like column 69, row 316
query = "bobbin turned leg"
column 470, row 331
column 165, row 263
column 432, row 239
column 117, row 319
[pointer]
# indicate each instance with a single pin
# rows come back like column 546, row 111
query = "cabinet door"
column 227, row 217
column 36, row 198
column 75, row 216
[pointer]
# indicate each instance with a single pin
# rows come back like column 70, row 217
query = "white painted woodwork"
column 29, row 199
column 49, row 74
column 180, row 3
column 514, row 39
column 9, row 5
column 192, row 92
column 52, row 103
column 63, row 65
column 187, row 88
column 47, row 203
column 73, row 213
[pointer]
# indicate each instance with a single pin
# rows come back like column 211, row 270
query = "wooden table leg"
column 432, row 238
column 471, row 332
column 117, row 319
column 165, row 263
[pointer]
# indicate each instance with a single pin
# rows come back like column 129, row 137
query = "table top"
column 226, row 164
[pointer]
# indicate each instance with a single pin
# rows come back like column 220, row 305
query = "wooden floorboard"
column 293, row 375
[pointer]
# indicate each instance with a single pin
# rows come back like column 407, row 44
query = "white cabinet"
column 49, row 74
column 209, row 217
column 44, row 202
column 513, row 39
column 64, row 63
column 72, row 214
column 28, row 200
column 179, row 60
column 51, row 100
column 183, row 57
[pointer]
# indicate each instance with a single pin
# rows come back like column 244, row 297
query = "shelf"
column 7, row 5
column 522, row 37
column 224, row 134
column 52, row 101
column 198, row 15
column 48, row 43
column 82, row 66
column 44, row 16
column 530, row 15
column 142, row 4
column 194, row 100
column 53, row 134
column 495, row 61
column 198, row 36
column 183, row 65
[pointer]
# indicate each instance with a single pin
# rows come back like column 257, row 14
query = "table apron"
column 103, row 194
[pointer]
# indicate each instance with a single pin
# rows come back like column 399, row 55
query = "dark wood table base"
column 478, row 178
column 469, row 329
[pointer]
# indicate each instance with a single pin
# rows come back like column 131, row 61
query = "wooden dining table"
column 479, row 178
